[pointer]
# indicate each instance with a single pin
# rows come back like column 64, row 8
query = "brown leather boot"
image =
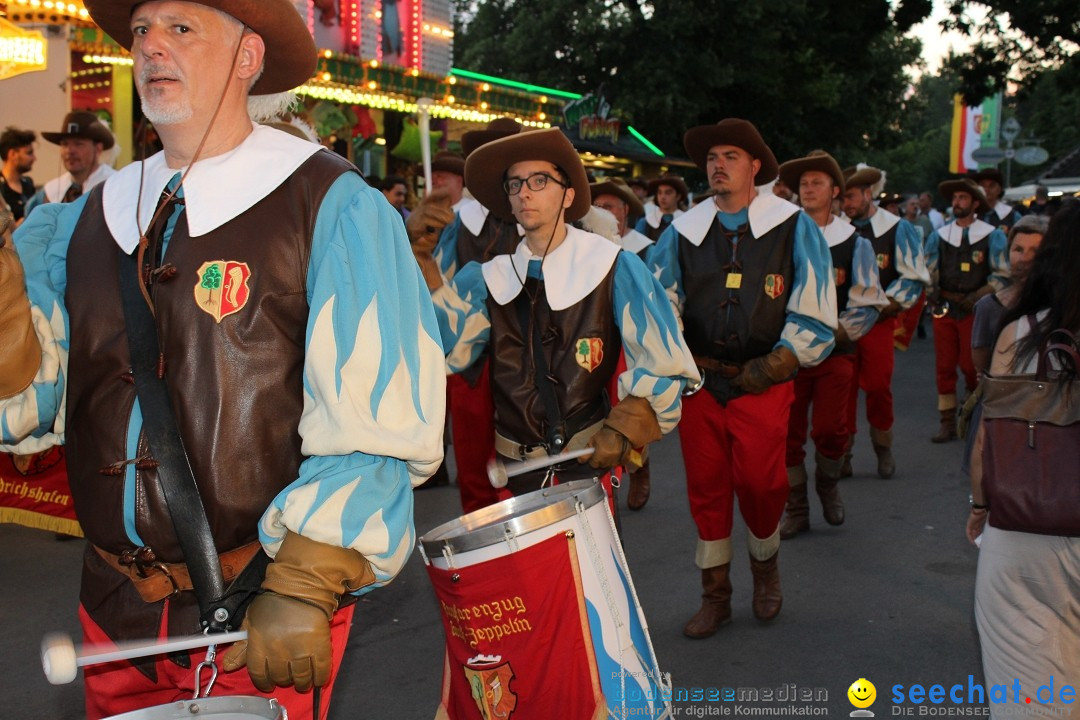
column 882, row 441
column 826, row 476
column 947, row 432
column 845, row 468
column 797, row 511
column 767, row 595
column 715, row 603
column 639, row 487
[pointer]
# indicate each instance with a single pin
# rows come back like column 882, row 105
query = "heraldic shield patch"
column 222, row 287
column 589, row 352
column 774, row 285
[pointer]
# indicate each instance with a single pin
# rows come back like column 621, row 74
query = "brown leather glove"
column 20, row 351
column 758, row 375
column 424, row 226
column 289, row 623
column 630, row 426
column 892, row 309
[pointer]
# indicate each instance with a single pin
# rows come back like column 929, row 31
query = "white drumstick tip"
column 58, row 658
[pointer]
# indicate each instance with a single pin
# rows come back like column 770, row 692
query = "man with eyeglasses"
column 751, row 276
column 555, row 314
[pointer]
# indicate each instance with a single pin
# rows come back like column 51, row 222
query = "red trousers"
column 732, row 451
column 909, row 321
column 952, row 347
column 118, row 687
column 874, row 363
column 826, row 386
column 472, row 422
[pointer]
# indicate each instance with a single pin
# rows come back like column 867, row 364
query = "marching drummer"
column 555, row 314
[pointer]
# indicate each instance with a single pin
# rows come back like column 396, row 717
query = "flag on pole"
column 973, row 126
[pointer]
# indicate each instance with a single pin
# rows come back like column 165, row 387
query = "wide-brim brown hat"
column 290, row 49
column 992, row 174
column 618, row 188
column 731, row 131
column 888, row 198
column 672, row 181
column 864, row 176
column 447, row 161
column 485, row 169
column 81, row 124
column 949, row 187
column 818, row 160
column 495, row 130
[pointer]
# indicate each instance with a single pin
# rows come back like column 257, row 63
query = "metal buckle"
column 696, row 387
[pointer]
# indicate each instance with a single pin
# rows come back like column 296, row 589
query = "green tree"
column 211, row 280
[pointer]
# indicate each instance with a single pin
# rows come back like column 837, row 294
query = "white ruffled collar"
column 215, row 191
column 571, row 271
column 954, row 234
column 766, row 212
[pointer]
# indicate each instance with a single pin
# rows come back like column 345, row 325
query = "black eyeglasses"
column 536, row 182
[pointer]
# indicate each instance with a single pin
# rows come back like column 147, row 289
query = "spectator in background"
column 1026, row 586
column 912, row 215
column 448, row 173
column 395, row 190
column 926, row 208
column 1042, row 204
column 17, row 154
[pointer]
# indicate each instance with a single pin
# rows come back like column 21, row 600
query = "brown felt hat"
column 672, row 181
column 731, row 131
column 618, row 188
column 82, row 125
column 818, row 160
column 889, row 198
column 989, row 174
column 290, row 49
column 485, row 169
column 447, row 161
column 964, row 184
column 862, row 177
column 496, row 129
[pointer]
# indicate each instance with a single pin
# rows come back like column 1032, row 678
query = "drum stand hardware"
column 61, row 659
column 207, row 664
column 499, row 472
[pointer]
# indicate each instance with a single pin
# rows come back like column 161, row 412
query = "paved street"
column 887, row 596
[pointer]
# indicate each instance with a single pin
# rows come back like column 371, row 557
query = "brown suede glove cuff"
column 316, row 573
column 761, row 373
column 20, row 351
column 634, row 417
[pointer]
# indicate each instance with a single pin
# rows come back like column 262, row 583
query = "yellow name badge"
column 965, row 267
column 734, row 281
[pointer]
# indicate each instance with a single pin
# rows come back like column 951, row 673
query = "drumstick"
column 60, row 658
column 499, row 472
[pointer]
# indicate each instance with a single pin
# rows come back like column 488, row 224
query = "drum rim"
column 514, row 517
column 215, row 705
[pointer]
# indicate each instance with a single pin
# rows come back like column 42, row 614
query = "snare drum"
column 621, row 654
column 235, row 707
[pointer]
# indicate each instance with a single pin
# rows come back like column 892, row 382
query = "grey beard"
column 173, row 115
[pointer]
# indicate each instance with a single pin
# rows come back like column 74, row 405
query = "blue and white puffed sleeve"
column 811, row 307
column 664, row 265
column 911, row 266
column 999, row 261
column 34, row 419
column 374, row 386
column 658, row 362
column 866, row 299
column 445, row 252
column 461, row 307
column 932, row 250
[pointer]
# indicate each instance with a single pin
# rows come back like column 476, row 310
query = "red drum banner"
column 34, row 492
column 517, row 637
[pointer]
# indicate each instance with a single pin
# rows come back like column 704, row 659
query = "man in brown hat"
column 902, row 267
column 555, row 315
column 751, row 277
column 305, row 382
column 967, row 259
column 82, row 140
column 999, row 213
column 448, row 174
column 474, row 233
column 669, row 193
column 617, row 198
column 859, row 298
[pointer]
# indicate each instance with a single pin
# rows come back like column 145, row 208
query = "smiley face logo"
column 862, row 693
